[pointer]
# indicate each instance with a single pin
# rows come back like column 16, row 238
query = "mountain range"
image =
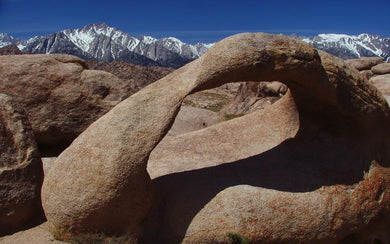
column 104, row 43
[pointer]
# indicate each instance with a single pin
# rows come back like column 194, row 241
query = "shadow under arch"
column 317, row 156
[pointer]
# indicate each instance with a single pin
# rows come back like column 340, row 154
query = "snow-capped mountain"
column 6, row 40
column 105, row 43
column 346, row 47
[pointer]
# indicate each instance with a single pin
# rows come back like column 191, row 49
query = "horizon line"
column 192, row 34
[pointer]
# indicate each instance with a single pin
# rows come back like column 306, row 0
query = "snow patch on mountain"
column 147, row 40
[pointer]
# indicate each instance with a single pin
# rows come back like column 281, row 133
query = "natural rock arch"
column 100, row 181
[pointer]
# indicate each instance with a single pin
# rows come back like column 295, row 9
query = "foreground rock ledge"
column 100, row 181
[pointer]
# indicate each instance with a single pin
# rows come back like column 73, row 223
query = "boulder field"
column 324, row 179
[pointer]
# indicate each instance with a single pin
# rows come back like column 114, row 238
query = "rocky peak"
column 6, row 40
column 351, row 46
column 10, row 50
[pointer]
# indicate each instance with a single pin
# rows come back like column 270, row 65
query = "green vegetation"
column 207, row 100
column 237, row 239
column 99, row 238
column 215, row 107
column 94, row 238
column 188, row 102
column 232, row 116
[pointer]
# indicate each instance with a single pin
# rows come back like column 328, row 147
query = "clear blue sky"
column 197, row 21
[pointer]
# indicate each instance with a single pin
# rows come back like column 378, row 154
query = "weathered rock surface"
column 100, row 181
column 364, row 63
column 367, row 74
column 212, row 99
column 381, row 69
column 191, row 119
column 38, row 235
column 226, row 142
column 325, row 215
column 252, row 96
column 60, row 96
column 137, row 76
column 21, row 173
column 382, row 82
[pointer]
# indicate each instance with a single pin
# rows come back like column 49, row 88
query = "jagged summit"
column 105, row 43
column 352, row 46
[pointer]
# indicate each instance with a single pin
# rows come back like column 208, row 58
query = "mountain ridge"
column 104, row 43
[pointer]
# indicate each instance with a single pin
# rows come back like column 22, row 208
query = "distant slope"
column 138, row 76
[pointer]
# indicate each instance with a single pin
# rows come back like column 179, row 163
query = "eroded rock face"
column 191, row 119
column 21, row 173
column 381, row 69
column 61, row 97
column 230, row 141
column 252, row 96
column 364, row 63
column 100, row 181
column 382, row 82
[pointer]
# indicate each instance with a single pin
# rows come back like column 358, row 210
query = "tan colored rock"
column 60, row 96
column 252, row 96
column 382, row 82
column 100, row 181
column 367, row 74
column 191, row 119
column 381, row 69
column 364, row 63
column 137, row 76
column 21, row 173
column 229, row 141
column 37, row 235
column 47, row 162
column 326, row 215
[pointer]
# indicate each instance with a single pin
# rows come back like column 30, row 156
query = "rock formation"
column 100, row 182
column 36, row 235
column 381, row 69
column 10, row 50
column 61, row 97
column 191, row 119
column 382, row 82
column 21, row 173
column 230, row 141
column 137, row 76
column 364, row 63
column 376, row 71
column 253, row 95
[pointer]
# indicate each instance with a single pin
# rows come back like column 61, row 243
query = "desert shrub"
column 237, row 239
column 99, row 238
column 232, row 116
